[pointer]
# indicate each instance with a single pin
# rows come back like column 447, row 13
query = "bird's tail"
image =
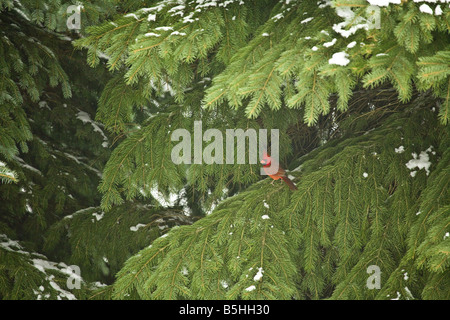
column 289, row 182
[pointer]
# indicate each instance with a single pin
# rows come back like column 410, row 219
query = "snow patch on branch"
column 400, row 149
column 259, row 274
column 98, row 216
column 152, row 34
column 85, row 118
column 420, row 162
column 339, row 58
column 251, row 288
column 10, row 245
column 131, row 15
column 137, row 227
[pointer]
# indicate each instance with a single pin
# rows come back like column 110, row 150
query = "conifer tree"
column 359, row 91
column 52, row 154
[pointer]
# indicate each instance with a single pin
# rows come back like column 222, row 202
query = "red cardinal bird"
column 267, row 161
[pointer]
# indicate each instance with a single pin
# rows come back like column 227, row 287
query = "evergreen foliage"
column 357, row 205
column 86, row 176
column 54, row 175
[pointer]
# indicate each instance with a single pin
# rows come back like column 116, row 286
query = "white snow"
column 10, row 245
column 184, row 271
column 131, row 15
column 161, row 199
column 188, row 19
column 61, row 293
column 329, row 44
column 213, row 3
column 251, row 288
column 77, row 212
column 351, row 44
column 398, row 296
column 276, row 17
column 137, row 227
column 44, row 104
column 6, row 171
column 259, row 274
column 339, row 58
column 27, row 166
column 211, row 209
column 163, row 28
column 176, row 8
column 409, row 294
column 152, row 34
column 349, row 19
column 98, row 284
column 306, row 20
column 102, row 55
column 85, row 118
column 421, row 162
column 177, row 33
column 425, row 9
column 28, row 208
column 98, row 216
column 327, row 3
column 43, row 265
column 22, row 13
column 400, row 149
column 158, row 7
